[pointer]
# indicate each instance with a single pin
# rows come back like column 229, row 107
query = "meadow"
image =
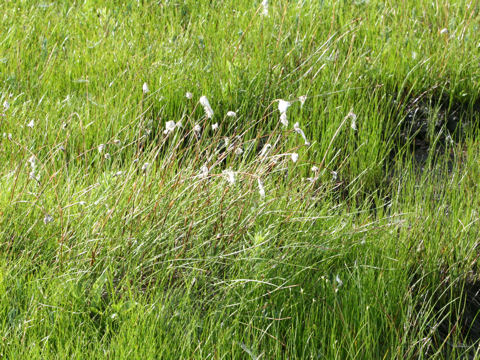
column 239, row 179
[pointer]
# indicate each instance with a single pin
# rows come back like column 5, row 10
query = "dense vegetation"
column 328, row 208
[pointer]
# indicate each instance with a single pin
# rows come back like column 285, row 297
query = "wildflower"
column 283, row 106
column 145, row 166
column 31, row 124
column 338, row 282
column 314, row 169
column 100, row 148
column 302, row 100
column 231, row 114
column 145, row 88
column 294, row 157
column 107, row 156
column 197, row 128
column 265, row 149
column 214, row 126
column 229, row 175
column 265, row 7
column 297, row 129
column 204, row 172
column 206, row 106
column 169, row 127
column 6, row 105
column 261, row 189
column 283, row 119
column 47, row 219
column 238, row 151
column 353, row 125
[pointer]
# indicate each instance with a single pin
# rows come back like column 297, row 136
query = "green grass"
column 369, row 259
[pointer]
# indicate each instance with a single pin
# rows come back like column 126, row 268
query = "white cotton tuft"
column 315, row 169
column 283, row 106
column 283, row 119
column 265, row 150
column 231, row 114
column 6, row 105
column 145, row 166
column 47, row 219
column 206, row 106
column 145, row 88
column 204, row 172
column 238, row 151
column 31, row 124
column 294, row 157
column 197, row 128
column 229, row 176
column 261, row 189
column 265, row 7
column 214, row 126
column 100, row 148
column 189, row 95
column 169, row 127
column 302, row 100
column 297, row 129
column 353, row 124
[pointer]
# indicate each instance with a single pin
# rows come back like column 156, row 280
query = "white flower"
column 6, row 105
column 145, row 166
column 283, row 106
column 283, row 119
column 189, row 95
column 238, row 151
column 100, row 148
column 229, row 175
column 297, row 129
column 47, row 219
column 294, row 157
column 206, row 106
column 265, row 7
column 197, row 128
column 204, row 172
column 302, row 99
column 314, row 169
column 261, row 189
column 231, row 114
column 31, row 124
column 265, row 149
column 145, row 88
column 169, row 127
column 353, row 125
column 214, row 126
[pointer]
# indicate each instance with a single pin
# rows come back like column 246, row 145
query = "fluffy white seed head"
column 297, row 129
column 6, row 105
column 283, row 119
column 204, row 172
column 145, row 88
column 238, row 151
column 169, row 127
column 206, row 106
column 31, row 124
column 265, row 150
column 231, row 114
column 214, row 126
column 145, row 166
column 315, row 169
column 294, row 157
column 107, row 156
column 229, row 176
column 189, row 95
column 197, row 128
column 283, row 106
column 265, row 7
column 302, row 99
column 100, row 148
column 47, row 219
column 261, row 189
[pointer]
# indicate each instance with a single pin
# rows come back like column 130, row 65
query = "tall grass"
column 121, row 239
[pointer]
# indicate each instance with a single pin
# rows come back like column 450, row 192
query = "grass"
column 151, row 252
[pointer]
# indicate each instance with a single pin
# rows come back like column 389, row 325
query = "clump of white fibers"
column 31, row 124
column 265, row 7
column 33, row 167
column 214, row 126
column 282, row 107
column 197, row 128
column 261, row 189
column 100, row 148
column 170, row 126
column 294, row 157
column 231, row 114
column 6, row 105
column 229, row 176
column 238, row 151
column 189, row 95
column 206, row 106
column 302, row 100
column 204, row 172
column 47, row 219
column 297, row 129
column 145, row 88
column 265, row 150
column 145, row 167
column 353, row 124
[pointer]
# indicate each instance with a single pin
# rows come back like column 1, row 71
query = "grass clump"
column 200, row 179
